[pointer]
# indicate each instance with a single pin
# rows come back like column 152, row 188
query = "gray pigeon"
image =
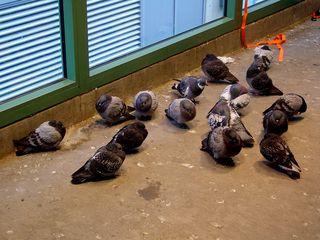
column 222, row 143
column 180, row 111
column 104, row 164
column 275, row 121
column 131, row 136
column 190, row 87
column 113, row 110
column 276, row 151
column 237, row 95
column 145, row 103
column 259, row 81
column 265, row 54
column 45, row 137
column 216, row 70
column 292, row 104
column 224, row 115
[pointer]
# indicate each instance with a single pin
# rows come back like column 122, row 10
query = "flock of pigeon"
column 228, row 134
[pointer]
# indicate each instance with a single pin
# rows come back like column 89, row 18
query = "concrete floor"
column 171, row 189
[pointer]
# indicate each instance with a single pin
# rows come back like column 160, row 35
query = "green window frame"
column 80, row 79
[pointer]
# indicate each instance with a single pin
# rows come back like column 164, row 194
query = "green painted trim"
column 36, row 101
column 76, row 41
column 267, row 8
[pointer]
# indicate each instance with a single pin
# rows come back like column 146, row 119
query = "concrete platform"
column 171, row 189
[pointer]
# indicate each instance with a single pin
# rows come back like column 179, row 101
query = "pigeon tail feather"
column 204, row 144
column 130, row 109
column 81, row 175
column 174, row 87
column 231, row 78
column 275, row 91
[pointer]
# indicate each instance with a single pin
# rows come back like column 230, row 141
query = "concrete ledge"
column 83, row 107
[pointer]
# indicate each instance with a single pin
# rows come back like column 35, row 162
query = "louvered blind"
column 30, row 46
column 113, row 29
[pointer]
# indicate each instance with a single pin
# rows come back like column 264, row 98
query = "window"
column 30, row 46
column 118, row 27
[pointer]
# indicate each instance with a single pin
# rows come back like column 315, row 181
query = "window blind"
column 113, row 29
column 30, row 46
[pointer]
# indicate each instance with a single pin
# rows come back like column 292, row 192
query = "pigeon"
column 275, row 121
column 260, row 82
column 237, row 95
column 180, row 111
column 276, row 151
column 265, row 54
column 113, row 110
column 224, row 115
column 190, row 87
column 44, row 138
column 292, row 104
column 131, row 136
column 222, row 143
column 145, row 103
column 104, row 164
column 216, row 70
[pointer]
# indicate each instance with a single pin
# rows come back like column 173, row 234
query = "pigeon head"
column 237, row 89
column 232, row 139
column 143, row 102
column 58, row 126
column 139, row 125
column 114, row 147
column 254, row 70
column 278, row 116
column 210, row 56
column 103, row 102
column 202, row 83
column 265, row 47
column 303, row 107
column 188, row 110
column 231, row 136
column 275, row 121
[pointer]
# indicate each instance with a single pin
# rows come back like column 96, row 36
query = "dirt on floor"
column 170, row 189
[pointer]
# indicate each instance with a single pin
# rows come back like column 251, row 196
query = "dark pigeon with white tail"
column 46, row 137
column 277, row 152
column 104, row 164
column 131, row 136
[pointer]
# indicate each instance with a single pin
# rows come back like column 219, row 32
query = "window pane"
column 253, row 2
column 118, row 27
column 30, row 46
